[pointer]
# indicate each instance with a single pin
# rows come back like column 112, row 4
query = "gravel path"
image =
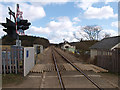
column 45, row 57
column 69, row 56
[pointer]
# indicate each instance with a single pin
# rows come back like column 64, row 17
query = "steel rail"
column 80, row 71
column 58, row 72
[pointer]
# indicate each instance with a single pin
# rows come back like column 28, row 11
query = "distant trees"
column 89, row 32
column 42, row 41
column 92, row 31
column 107, row 35
column 26, row 41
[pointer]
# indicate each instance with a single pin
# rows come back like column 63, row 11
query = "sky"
column 61, row 19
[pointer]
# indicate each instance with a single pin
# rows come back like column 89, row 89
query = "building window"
column 66, row 46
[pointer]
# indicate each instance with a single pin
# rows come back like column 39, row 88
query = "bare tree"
column 91, row 32
column 80, row 39
column 107, row 35
column 76, row 36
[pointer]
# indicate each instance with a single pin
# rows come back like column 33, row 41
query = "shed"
column 38, row 48
column 109, row 43
column 67, row 46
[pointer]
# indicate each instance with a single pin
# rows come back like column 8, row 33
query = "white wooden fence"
column 17, row 60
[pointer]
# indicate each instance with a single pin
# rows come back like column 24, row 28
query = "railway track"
column 68, row 61
column 58, row 72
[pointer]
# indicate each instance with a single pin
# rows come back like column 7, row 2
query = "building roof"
column 106, row 43
column 66, row 42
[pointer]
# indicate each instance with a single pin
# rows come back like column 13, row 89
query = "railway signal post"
column 16, row 28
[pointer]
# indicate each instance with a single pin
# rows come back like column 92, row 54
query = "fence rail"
column 13, row 60
column 109, row 60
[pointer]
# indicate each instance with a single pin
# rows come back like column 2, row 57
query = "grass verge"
column 12, row 78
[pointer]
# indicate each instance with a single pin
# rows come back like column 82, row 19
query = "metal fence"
column 109, row 60
column 12, row 60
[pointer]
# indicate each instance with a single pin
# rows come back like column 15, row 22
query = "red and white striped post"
column 18, row 15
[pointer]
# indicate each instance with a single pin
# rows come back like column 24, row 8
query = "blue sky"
column 60, row 20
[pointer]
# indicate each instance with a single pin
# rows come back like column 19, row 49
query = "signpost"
column 18, row 42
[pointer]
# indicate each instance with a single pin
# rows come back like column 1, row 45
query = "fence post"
column 15, row 65
column 10, row 64
column 23, row 61
column 18, row 59
column 6, row 59
column 4, row 65
column 12, row 53
column 113, row 61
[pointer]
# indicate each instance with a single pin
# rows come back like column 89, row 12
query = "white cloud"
column 62, row 23
column 107, row 1
column 3, row 18
column 59, row 36
column 61, row 29
column 100, row 13
column 2, row 33
column 38, row 30
column 76, row 19
column 3, row 12
column 56, row 30
column 32, row 12
column 108, row 31
column 115, row 24
column 48, row 2
column 85, row 4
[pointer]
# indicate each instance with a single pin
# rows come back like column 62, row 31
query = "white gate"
column 28, row 59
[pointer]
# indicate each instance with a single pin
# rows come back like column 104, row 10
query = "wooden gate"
column 13, row 60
